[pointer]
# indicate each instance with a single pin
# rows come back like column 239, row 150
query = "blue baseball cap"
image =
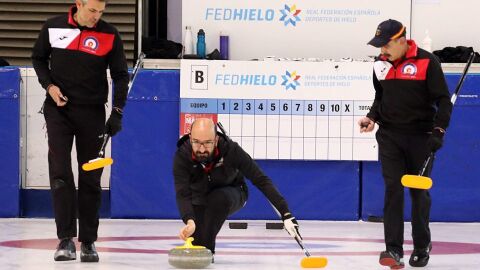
column 386, row 31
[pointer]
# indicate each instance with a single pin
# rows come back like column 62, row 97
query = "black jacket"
column 230, row 165
column 76, row 59
column 411, row 95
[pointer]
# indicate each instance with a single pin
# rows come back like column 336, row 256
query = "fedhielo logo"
column 290, row 80
column 290, row 15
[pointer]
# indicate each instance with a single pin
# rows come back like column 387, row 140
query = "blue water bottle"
column 201, row 44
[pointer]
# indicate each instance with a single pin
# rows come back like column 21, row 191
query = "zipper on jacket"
column 395, row 68
column 399, row 63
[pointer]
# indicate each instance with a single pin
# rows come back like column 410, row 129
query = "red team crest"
column 409, row 69
column 91, row 43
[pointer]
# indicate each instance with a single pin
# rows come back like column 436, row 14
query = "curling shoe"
column 88, row 252
column 391, row 259
column 65, row 250
column 420, row 256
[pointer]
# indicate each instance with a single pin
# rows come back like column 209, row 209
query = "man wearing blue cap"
column 412, row 108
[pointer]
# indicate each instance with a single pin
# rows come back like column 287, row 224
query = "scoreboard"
column 283, row 109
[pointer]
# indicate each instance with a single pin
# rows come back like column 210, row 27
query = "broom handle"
column 462, row 79
column 101, row 153
column 426, row 163
column 137, row 66
column 299, row 241
column 106, row 137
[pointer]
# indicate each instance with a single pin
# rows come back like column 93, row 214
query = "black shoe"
column 420, row 256
column 88, row 252
column 391, row 259
column 65, row 250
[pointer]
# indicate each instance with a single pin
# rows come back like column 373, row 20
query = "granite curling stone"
column 189, row 256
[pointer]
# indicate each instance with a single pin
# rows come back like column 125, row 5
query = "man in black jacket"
column 71, row 57
column 412, row 108
column 209, row 171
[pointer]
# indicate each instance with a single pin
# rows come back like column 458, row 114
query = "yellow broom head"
column 97, row 164
column 416, row 181
column 314, row 262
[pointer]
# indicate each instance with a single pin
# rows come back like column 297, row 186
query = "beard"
column 204, row 157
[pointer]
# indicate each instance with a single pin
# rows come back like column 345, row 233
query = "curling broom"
column 308, row 261
column 420, row 181
column 101, row 161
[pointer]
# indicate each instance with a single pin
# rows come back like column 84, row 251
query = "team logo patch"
column 409, row 69
column 91, row 43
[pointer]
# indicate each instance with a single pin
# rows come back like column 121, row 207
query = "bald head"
column 203, row 128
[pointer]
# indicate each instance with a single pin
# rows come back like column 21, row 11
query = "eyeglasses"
column 206, row 144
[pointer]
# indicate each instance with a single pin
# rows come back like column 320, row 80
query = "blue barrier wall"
column 455, row 192
column 9, row 142
column 314, row 190
column 141, row 181
column 38, row 203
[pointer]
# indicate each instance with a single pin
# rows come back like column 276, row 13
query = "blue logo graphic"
column 290, row 80
column 290, row 15
column 239, row 14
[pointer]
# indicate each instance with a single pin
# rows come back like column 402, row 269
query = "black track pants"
column 86, row 123
column 403, row 154
column 221, row 203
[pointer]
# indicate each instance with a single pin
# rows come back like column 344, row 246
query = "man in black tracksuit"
column 412, row 108
column 71, row 57
column 209, row 171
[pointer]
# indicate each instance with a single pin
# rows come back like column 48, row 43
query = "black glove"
column 114, row 123
column 435, row 141
column 291, row 225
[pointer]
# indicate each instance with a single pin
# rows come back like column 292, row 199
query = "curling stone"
column 189, row 256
